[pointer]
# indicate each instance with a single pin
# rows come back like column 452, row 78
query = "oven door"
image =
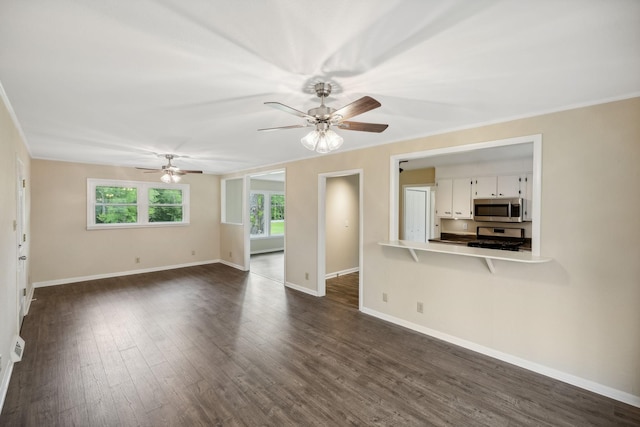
column 498, row 210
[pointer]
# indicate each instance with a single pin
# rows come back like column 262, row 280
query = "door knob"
column 22, row 258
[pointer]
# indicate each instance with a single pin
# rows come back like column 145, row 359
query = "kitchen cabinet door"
column 461, row 198
column 485, row 187
column 528, row 196
column 488, row 187
column 508, row 186
column 444, row 198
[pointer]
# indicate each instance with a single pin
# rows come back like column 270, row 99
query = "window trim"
column 142, row 188
column 267, row 208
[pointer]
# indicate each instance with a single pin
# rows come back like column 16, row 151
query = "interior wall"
column 342, row 227
column 12, row 147
column 64, row 249
column 578, row 315
column 424, row 176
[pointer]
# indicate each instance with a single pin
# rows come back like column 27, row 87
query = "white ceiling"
column 120, row 82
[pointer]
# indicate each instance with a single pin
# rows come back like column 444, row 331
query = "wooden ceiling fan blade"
column 362, row 105
column 188, row 171
column 149, row 169
column 289, row 110
column 366, row 127
column 283, row 127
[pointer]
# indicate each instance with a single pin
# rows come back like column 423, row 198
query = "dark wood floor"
column 210, row 345
column 269, row 265
column 344, row 289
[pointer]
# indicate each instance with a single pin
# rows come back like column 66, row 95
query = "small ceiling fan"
column 322, row 139
column 170, row 173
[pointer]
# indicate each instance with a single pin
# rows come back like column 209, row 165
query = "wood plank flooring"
column 269, row 265
column 344, row 289
column 210, row 345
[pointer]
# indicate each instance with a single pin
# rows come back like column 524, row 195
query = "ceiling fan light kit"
column 169, row 177
column 322, row 139
column 170, row 173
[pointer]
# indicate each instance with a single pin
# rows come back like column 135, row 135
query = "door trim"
column 322, row 213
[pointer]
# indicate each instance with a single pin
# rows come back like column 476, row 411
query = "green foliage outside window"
column 116, row 205
column 165, row 205
column 266, row 214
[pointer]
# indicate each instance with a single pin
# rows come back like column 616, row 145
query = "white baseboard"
column 231, row 264
column 266, row 251
column 301, row 289
column 118, row 274
column 514, row 360
column 29, row 299
column 4, row 385
column 341, row 273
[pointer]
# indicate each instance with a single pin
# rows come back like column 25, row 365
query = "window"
column 266, row 212
column 118, row 204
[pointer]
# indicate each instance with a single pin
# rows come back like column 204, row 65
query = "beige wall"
column 64, row 249
column 12, row 148
column 578, row 315
column 342, row 224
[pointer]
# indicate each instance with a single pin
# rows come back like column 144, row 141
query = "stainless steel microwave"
column 503, row 209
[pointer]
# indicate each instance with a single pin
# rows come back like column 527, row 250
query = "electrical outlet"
column 193, row 252
column 230, row 256
column 419, row 307
column 384, row 297
column 306, row 276
column 137, row 260
column 465, row 226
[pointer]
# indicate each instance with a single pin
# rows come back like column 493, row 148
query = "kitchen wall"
column 577, row 317
column 64, row 250
column 424, row 176
column 342, row 225
column 12, row 149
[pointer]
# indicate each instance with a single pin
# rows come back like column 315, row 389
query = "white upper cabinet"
column 461, row 198
column 527, row 195
column 497, row 186
column 444, row 198
column 453, row 198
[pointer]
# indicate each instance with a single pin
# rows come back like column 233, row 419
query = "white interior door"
column 417, row 221
column 21, row 240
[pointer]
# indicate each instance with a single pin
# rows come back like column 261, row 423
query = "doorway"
column 21, row 242
column 266, row 224
column 418, row 213
column 340, row 224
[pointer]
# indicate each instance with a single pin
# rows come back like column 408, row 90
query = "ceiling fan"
column 322, row 139
column 170, row 173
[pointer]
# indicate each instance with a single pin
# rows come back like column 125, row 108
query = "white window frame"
column 267, row 208
column 142, row 188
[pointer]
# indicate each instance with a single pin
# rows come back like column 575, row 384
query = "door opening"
column 340, row 224
column 266, row 224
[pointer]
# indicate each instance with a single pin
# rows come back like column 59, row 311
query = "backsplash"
column 458, row 226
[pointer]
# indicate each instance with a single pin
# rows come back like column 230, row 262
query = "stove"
column 506, row 239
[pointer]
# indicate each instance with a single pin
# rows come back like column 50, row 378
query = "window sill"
column 153, row 225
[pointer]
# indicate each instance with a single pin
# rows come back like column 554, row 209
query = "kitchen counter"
column 460, row 249
column 463, row 239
